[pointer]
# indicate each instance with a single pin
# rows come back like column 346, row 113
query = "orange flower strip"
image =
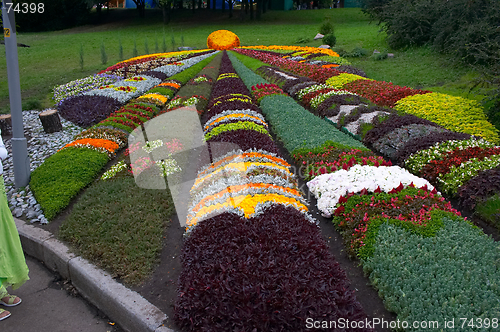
column 171, row 84
column 96, row 142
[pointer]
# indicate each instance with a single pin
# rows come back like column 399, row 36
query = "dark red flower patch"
column 268, row 273
column 85, row 111
column 480, row 188
column 247, row 139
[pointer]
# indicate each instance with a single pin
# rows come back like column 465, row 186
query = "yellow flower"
column 157, row 98
column 295, row 48
column 338, row 82
column 222, row 40
column 245, row 203
column 453, row 113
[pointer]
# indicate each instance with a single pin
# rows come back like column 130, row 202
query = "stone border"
column 127, row 308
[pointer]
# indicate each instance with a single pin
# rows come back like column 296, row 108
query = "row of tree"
column 61, row 14
column 470, row 29
column 467, row 29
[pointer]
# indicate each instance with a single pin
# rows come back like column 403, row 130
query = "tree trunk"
column 98, row 10
column 193, row 3
column 50, row 121
column 259, row 8
column 214, row 5
column 223, row 6
column 250, row 3
column 166, row 13
column 200, row 2
column 6, row 124
column 245, row 3
column 208, row 4
column 230, row 8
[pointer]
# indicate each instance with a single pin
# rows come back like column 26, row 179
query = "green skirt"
column 13, row 268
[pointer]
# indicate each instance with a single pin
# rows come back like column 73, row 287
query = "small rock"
column 185, row 48
column 17, row 212
column 390, row 55
column 32, row 214
column 38, row 207
column 24, row 206
column 319, row 36
column 376, row 52
column 33, row 220
column 324, row 46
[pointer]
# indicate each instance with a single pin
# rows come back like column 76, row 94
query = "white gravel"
column 40, row 146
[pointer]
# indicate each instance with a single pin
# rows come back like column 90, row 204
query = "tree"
column 166, row 7
column 141, row 7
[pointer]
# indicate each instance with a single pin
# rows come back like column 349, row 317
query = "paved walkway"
column 50, row 304
column 127, row 308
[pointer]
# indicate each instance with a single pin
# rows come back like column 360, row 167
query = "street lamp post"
column 19, row 144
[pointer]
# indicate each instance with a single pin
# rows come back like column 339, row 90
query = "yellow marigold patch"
column 295, row 48
column 246, row 203
column 222, row 40
column 338, row 82
column 453, row 113
column 154, row 96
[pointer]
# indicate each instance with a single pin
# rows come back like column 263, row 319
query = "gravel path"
column 40, row 146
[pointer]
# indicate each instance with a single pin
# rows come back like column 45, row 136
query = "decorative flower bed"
column 253, row 257
column 244, row 212
column 376, row 225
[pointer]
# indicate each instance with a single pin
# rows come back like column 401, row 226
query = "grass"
column 490, row 210
column 119, row 226
column 41, row 68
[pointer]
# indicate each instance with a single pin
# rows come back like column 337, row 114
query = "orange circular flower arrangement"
column 222, row 40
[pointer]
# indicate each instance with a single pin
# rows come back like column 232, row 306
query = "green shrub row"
column 450, row 276
column 62, row 175
column 294, row 126
column 187, row 74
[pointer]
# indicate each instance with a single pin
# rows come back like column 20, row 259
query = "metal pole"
column 19, row 144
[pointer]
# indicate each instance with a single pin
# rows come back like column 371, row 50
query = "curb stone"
column 127, row 308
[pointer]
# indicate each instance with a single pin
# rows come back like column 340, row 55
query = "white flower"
column 328, row 188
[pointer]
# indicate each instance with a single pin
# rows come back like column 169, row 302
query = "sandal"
column 10, row 300
column 3, row 315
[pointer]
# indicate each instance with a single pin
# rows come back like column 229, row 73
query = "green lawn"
column 54, row 57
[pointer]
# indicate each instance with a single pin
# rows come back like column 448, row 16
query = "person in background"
column 13, row 268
